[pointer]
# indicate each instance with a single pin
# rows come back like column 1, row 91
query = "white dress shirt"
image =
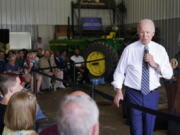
column 129, row 68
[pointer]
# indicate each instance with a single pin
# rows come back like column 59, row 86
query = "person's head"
column 25, row 52
column 11, row 59
column 76, row 51
column 17, row 54
column 146, row 30
column 2, row 55
column 56, row 53
column 34, row 53
column 21, row 54
column 21, row 111
column 11, row 52
column 30, row 56
column 10, row 84
column 63, row 53
column 40, row 52
column 47, row 54
column 78, row 115
column 39, row 40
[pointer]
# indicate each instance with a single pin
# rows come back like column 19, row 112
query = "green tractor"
column 101, row 55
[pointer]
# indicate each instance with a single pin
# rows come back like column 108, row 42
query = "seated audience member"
column 20, row 58
column 11, row 66
column 40, row 53
column 78, row 114
column 77, row 58
column 62, row 61
column 47, row 61
column 81, row 72
column 27, row 67
column 56, row 57
column 25, row 51
column 29, row 64
column 10, row 84
column 2, row 61
column 20, row 114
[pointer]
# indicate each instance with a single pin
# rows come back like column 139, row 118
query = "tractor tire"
column 108, row 59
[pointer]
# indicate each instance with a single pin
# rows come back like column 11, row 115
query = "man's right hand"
column 118, row 97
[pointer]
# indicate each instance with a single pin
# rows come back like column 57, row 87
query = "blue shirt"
column 11, row 67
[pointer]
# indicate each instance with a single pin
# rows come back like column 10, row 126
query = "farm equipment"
column 101, row 55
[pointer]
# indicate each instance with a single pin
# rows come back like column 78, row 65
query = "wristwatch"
column 157, row 67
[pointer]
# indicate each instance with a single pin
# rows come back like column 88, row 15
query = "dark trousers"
column 141, row 123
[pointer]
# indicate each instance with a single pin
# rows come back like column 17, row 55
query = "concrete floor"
column 111, row 120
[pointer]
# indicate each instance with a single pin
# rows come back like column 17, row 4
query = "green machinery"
column 101, row 55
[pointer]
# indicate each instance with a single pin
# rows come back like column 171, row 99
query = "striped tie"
column 145, row 78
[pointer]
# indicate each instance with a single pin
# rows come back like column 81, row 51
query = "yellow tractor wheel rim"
column 96, row 68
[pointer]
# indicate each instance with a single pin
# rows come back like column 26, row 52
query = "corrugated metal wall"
column 51, row 12
column 34, row 11
column 165, row 13
column 28, row 15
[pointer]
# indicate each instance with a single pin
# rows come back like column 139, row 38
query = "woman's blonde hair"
column 21, row 111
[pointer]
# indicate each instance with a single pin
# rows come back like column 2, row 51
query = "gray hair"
column 145, row 21
column 77, row 115
column 7, row 81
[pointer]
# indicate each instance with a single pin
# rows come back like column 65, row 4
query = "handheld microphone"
column 146, row 51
